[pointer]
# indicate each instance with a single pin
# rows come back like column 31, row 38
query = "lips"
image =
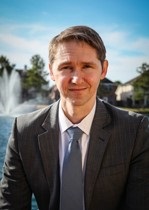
column 77, row 89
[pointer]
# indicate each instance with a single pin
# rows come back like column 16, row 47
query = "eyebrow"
column 89, row 63
column 83, row 63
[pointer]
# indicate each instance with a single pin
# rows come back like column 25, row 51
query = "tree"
column 117, row 82
column 35, row 77
column 5, row 65
column 141, row 84
column 37, row 63
column 143, row 80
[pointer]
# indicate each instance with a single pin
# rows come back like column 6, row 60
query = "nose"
column 76, row 77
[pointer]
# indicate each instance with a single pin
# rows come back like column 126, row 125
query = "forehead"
column 74, row 48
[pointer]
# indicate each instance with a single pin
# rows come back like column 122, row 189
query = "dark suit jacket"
column 117, row 169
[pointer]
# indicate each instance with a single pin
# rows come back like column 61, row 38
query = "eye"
column 67, row 67
column 87, row 66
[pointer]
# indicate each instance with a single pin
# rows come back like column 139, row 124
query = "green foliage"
column 35, row 77
column 141, row 84
column 143, row 80
column 37, row 63
column 117, row 82
column 5, row 65
column 138, row 94
column 144, row 68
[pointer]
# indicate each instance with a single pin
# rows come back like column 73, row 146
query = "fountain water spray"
column 10, row 91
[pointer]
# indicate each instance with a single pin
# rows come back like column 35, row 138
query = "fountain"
column 10, row 106
column 10, row 96
column 10, row 90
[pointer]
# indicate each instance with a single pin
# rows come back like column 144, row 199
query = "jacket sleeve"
column 137, row 188
column 15, row 193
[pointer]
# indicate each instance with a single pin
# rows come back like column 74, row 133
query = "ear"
column 104, row 69
column 51, row 72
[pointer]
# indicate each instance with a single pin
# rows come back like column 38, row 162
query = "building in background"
column 107, row 90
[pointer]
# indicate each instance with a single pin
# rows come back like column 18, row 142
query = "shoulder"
column 125, row 116
column 36, row 118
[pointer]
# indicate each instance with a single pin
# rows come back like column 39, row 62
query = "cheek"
column 61, row 81
column 94, row 79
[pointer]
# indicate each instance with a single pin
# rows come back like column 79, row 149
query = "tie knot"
column 75, row 133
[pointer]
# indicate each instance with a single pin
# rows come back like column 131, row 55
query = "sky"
column 26, row 27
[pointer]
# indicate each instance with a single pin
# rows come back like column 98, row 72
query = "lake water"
column 5, row 129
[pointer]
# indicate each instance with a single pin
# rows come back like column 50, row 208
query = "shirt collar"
column 84, row 125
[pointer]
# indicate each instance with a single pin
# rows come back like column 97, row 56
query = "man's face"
column 77, row 72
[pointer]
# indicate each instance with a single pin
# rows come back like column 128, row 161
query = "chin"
column 77, row 102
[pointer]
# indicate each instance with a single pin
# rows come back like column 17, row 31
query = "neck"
column 76, row 113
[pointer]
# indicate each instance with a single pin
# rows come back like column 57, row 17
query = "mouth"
column 77, row 89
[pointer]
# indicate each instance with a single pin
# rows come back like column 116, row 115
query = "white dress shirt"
column 84, row 125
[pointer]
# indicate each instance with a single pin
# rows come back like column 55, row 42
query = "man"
column 114, row 144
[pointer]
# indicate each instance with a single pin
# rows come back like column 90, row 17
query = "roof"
column 106, row 80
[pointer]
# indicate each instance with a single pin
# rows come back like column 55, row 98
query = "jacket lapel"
column 49, row 148
column 99, row 137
